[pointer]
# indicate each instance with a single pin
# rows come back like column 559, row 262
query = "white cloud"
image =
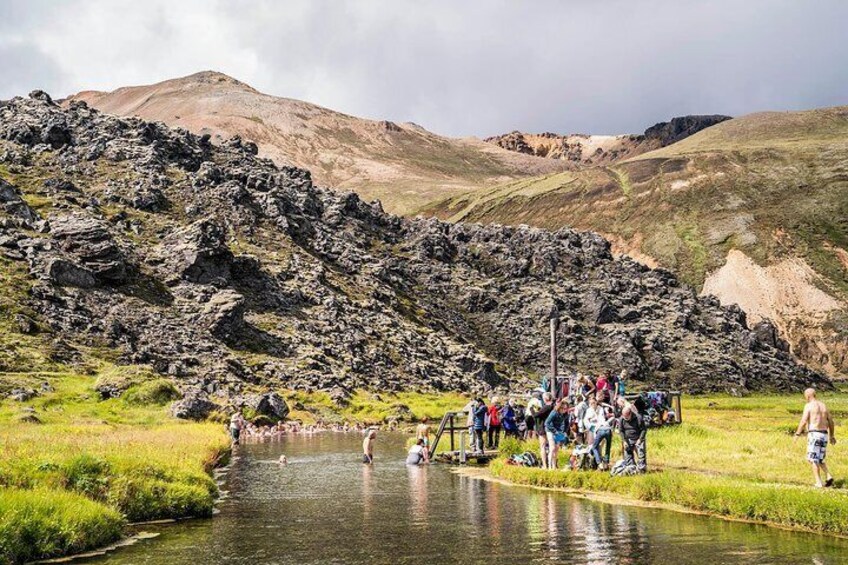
column 473, row 67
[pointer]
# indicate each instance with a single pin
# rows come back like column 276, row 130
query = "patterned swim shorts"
column 816, row 447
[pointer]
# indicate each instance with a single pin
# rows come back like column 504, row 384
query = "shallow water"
column 326, row 507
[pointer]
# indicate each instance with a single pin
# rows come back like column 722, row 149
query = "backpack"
column 622, row 470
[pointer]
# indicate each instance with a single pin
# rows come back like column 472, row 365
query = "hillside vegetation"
column 402, row 165
column 754, row 210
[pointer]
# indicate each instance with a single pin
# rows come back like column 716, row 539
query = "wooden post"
column 554, row 317
column 451, row 424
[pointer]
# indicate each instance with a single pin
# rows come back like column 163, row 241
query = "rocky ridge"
column 219, row 268
column 600, row 150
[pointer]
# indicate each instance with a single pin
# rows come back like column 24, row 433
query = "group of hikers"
column 584, row 413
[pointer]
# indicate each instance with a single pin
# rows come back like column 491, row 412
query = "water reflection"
column 327, row 507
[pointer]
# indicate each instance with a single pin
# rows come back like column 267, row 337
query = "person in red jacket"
column 494, row 418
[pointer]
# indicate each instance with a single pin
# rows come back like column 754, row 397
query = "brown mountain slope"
column 582, row 149
column 403, row 165
column 753, row 210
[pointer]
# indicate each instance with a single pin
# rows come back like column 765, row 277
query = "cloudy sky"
column 457, row 68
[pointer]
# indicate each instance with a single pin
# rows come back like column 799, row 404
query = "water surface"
column 326, row 507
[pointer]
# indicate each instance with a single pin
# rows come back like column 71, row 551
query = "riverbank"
column 732, row 458
column 74, row 469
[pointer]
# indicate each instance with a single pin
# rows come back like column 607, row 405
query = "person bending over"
column 633, row 434
column 417, row 453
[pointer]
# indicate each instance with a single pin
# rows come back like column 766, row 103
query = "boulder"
column 598, row 309
column 22, row 394
column 89, row 241
column 66, row 273
column 194, row 405
column 767, row 333
column 198, row 253
column 269, row 404
column 223, row 314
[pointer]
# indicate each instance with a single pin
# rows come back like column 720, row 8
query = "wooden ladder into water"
column 461, row 454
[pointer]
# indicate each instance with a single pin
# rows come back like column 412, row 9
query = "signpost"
column 554, row 318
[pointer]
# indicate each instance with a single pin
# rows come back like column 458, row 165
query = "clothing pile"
column 526, row 459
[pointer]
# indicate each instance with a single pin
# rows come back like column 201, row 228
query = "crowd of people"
column 240, row 429
column 584, row 414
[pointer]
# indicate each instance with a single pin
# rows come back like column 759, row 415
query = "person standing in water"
column 422, row 432
column 819, row 426
column 417, row 453
column 236, row 426
column 368, row 447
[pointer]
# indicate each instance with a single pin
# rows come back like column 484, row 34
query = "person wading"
column 368, row 447
column 422, row 432
column 237, row 424
column 819, row 425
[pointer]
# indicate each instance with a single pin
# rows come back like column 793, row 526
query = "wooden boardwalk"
column 456, row 457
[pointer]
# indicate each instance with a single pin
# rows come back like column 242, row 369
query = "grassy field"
column 732, row 457
column 72, row 482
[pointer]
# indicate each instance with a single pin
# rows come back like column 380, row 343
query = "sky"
column 470, row 67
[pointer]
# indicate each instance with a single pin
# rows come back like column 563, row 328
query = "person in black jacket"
column 633, row 433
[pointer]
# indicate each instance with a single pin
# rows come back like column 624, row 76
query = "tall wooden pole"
column 554, row 369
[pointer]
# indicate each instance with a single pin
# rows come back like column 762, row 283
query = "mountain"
column 588, row 150
column 128, row 241
column 753, row 210
column 403, row 165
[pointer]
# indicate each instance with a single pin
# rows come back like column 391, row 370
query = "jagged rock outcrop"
column 681, row 127
column 582, row 149
column 248, row 273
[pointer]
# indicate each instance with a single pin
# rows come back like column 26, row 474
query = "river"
column 327, row 507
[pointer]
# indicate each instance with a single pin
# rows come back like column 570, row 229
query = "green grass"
column 44, row 522
column 73, row 481
column 732, row 457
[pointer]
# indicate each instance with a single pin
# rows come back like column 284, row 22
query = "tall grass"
column 72, row 482
column 46, row 522
column 824, row 511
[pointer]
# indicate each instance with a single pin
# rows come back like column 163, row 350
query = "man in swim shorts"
column 368, row 447
column 820, row 428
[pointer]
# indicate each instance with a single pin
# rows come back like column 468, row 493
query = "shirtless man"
column 368, row 447
column 423, row 432
column 819, row 425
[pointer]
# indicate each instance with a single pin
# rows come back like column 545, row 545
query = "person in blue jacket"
column 480, row 411
column 556, row 428
column 510, row 426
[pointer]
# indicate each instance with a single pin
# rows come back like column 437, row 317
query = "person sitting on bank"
column 818, row 423
column 417, row 453
column 368, row 447
column 556, row 430
column 633, row 437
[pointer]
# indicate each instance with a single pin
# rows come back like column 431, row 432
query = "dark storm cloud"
column 459, row 68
